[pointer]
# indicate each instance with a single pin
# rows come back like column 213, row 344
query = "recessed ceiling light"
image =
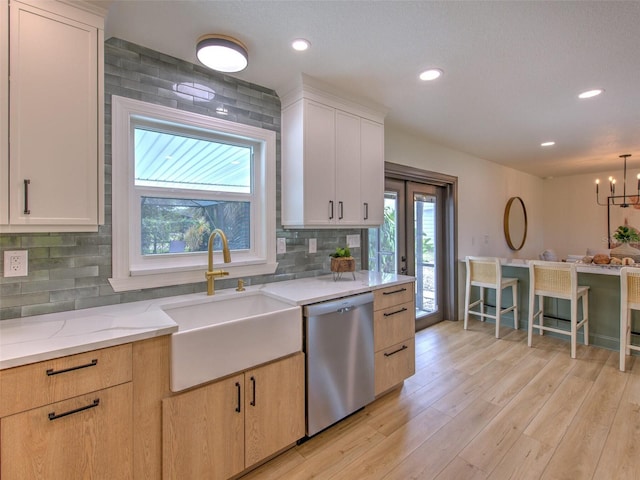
column 300, row 44
column 591, row 93
column 431, row 74
column 547, row 144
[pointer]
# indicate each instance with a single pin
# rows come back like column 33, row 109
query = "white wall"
column 573, row 221
column 483, row 191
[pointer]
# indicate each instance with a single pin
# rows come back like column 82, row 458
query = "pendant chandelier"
column 623, row 200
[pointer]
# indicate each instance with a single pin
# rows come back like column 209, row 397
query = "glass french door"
column 410, row 243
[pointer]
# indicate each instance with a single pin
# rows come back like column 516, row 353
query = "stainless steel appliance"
column 340, row 359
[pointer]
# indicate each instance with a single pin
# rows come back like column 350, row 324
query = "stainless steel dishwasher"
column 340, row 359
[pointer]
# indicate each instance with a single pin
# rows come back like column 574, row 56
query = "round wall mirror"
column 515, row 223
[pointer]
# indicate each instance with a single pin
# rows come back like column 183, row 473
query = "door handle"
column 239, row 398
column 27, row 182
column 330, row 209
column 366, row 211
column 341, row 210
column 253, row 387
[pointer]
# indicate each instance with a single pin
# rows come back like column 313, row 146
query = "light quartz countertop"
column 580, row 267
column 43, row 337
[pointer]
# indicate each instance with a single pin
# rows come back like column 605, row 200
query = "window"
column 177, row 176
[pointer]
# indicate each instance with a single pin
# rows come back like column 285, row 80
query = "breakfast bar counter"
column 604, row 301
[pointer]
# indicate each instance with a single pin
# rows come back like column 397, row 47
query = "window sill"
column 166, row 279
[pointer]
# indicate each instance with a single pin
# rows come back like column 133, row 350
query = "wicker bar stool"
column 485, row 272
column 629, row 300
column 557, row 280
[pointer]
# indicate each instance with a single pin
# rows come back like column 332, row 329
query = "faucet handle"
column 240, row 287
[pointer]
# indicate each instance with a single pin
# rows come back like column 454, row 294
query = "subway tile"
column 76, row 275
column 44, row 308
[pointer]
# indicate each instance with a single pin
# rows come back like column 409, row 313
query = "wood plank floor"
column 481, row 408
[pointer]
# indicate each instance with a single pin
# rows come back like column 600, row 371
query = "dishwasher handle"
column 341, row 305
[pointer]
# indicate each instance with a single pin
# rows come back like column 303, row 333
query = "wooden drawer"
column 395, row 295
column 37, row 384
column 394, row 324
column 394, row 364
column 83, row 437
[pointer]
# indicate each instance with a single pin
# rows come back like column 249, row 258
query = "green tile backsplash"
column 69, row 271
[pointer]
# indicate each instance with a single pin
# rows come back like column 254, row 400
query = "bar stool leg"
column 585, row 316
column 467, row 301
column 532, row 309
column 482, row 304
column 498, row 309
column 541, row 317
column 574, row 330
column 624, row 351
column 514, row 293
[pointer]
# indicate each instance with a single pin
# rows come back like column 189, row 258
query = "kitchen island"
column 604, row 302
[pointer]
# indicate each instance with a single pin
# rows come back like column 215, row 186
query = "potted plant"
column 625, row 235
column 342, row 261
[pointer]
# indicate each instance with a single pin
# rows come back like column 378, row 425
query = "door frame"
column 394, row 171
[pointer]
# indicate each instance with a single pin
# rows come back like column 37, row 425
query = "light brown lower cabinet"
column 220, row 429
column 84, row 437
column 394, row 323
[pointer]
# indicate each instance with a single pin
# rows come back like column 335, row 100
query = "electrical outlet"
column 16, row 263
column 353, row 241
column 313, row 245
column 281, row 245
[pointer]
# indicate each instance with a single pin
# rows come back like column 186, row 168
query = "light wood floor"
column 481, row 408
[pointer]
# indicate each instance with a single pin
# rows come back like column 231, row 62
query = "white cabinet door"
column 319, row 164
column 347, row 168
column 4, row 113
column 54, row 119
column 372, row 172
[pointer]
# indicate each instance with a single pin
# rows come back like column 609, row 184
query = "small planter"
column 626, row 250
column 340, row 265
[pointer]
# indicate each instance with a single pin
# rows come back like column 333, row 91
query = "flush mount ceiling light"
column 431, row 74
column 222, row 53
column 300, row 44
column 591, row 93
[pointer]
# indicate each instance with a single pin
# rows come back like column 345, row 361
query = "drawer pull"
column 239, row 397
column 53, row 416
column 403, row 309
column 395, row 291
column 51, row 371
column 403, row 347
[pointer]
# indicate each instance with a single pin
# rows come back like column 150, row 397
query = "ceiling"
column 512, row 70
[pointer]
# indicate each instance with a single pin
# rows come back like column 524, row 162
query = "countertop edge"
column 85, row 347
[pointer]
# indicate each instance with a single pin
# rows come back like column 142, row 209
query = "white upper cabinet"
column 55, row 159
column 332, row 160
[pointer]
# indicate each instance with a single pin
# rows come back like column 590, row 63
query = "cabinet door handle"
column 403, row 347
column 92, row 363
column 253, row 387
column 341, row 210
column 366, row 211
column 403, row 309
column 395, row 291
column 239, row 399
column 53, row 416
column 27, row 182
column 330, row 209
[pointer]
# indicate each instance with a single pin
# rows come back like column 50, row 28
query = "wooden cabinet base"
column 84, row 437
column 393, row 365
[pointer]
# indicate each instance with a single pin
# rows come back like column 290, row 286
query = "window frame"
column 130, row 270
